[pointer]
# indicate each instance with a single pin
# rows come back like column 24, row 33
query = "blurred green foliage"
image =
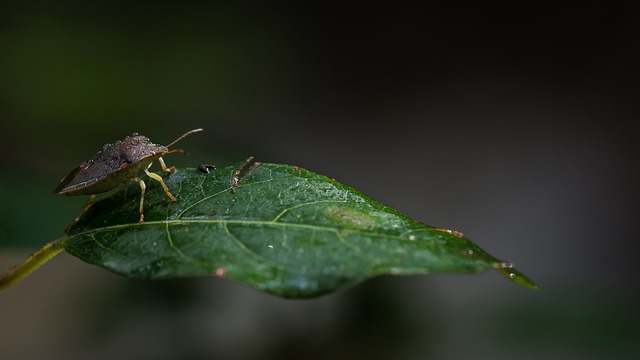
column 83, row 65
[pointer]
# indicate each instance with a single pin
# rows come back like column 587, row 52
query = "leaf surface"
column 283, row 230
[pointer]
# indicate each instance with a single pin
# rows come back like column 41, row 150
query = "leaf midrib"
column 241, row 222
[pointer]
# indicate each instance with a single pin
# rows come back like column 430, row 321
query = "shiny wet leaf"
column 282, row 229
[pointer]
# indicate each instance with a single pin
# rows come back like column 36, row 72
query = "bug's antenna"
column 184, row 135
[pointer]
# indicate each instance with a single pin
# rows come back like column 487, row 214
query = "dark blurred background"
column 515, row 124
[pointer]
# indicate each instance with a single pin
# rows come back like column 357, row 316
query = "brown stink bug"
column 110, row 169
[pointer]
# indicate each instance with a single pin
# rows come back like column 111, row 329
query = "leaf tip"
column 510, row 272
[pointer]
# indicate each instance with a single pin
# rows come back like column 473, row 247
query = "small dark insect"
column 204, row 168
column 110, row 169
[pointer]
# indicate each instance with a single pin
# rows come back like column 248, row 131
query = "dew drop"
column 467, row 252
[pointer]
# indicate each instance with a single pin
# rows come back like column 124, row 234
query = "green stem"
column 33, row 262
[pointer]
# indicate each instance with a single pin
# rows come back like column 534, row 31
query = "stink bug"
column 110, row 169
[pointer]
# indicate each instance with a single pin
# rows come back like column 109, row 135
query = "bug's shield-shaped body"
column 111, row 167
column 107, row 171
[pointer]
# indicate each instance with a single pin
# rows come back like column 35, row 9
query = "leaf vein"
column 172, row 245
column 253, row 254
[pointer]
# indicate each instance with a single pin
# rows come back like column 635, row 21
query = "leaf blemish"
column 350, row 217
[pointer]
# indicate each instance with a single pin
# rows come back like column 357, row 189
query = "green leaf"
column 283, row 230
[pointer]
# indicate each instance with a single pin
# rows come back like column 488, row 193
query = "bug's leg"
column 143, row 187
column 157, row 178
column 94, row 198
column 164, row 166
column 86, row 207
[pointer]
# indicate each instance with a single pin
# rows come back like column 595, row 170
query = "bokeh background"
column 515, row 124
